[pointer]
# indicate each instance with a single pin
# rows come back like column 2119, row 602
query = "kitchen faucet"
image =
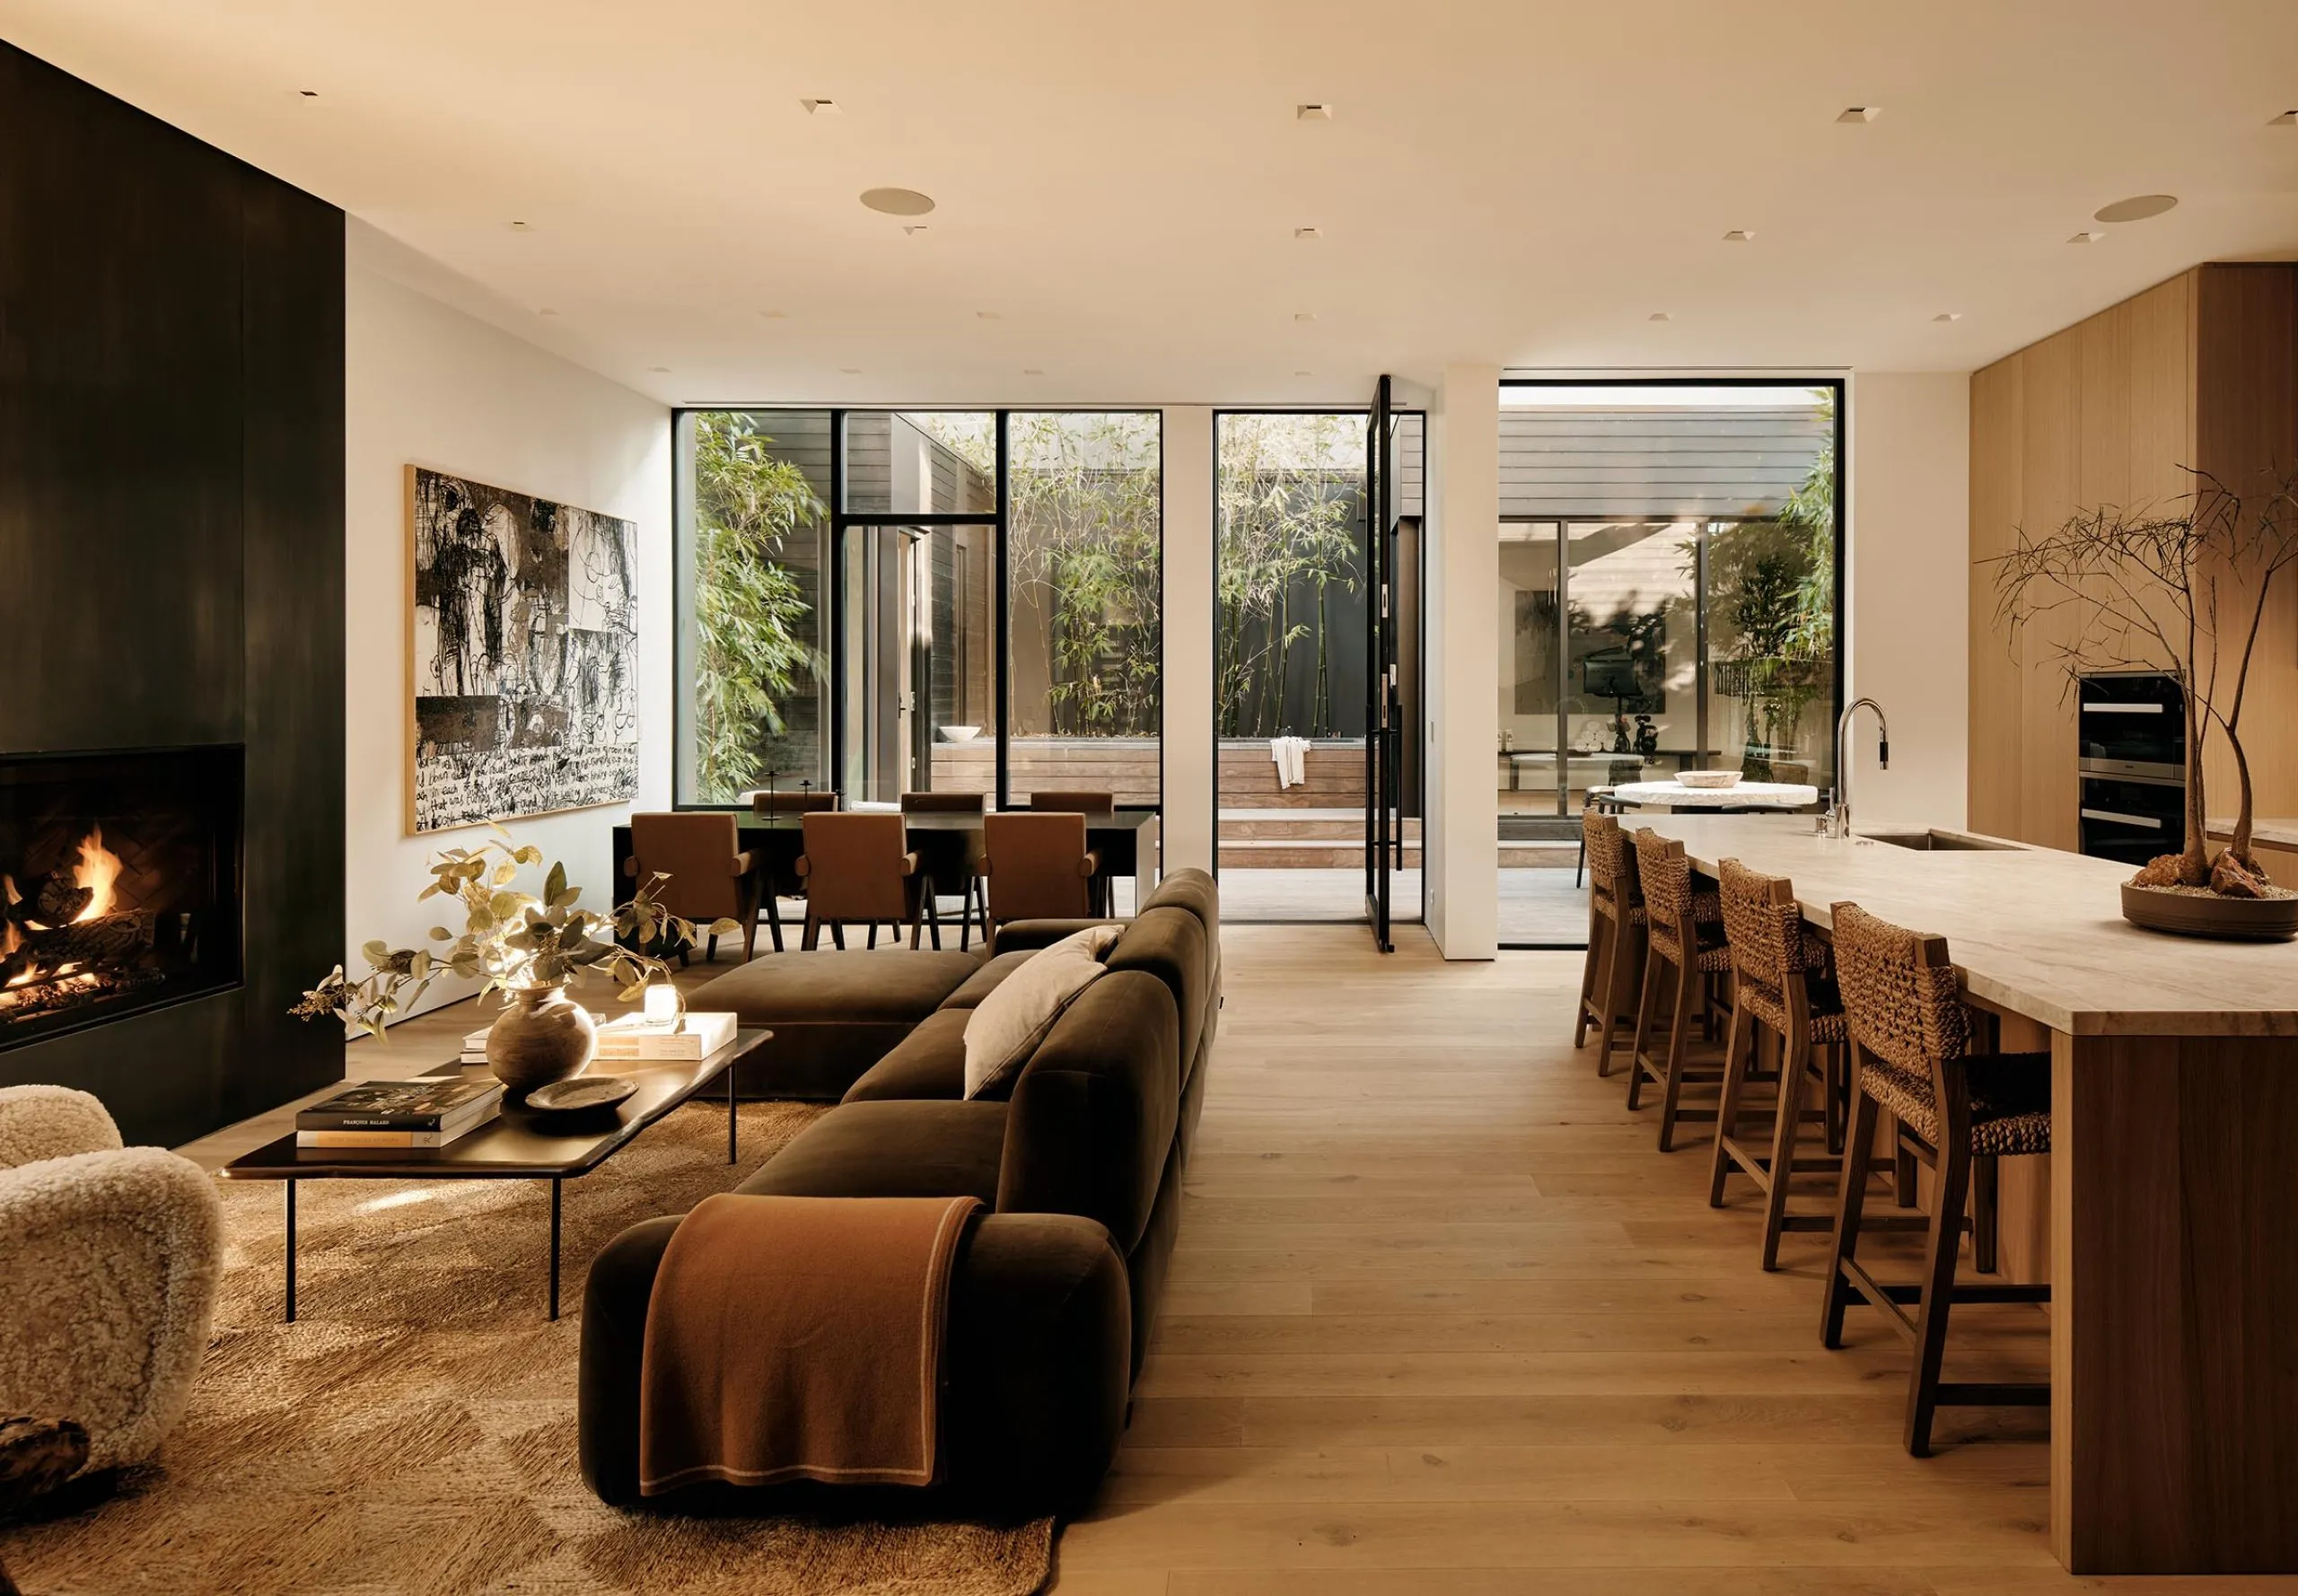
column 1841, row 813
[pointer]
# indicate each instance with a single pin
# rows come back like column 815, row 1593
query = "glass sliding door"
column 1291, row 675
column 1668, row 557
column 1085, row 594
column 916, row 661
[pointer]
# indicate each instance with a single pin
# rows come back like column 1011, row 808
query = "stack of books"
column 400, row 1114
column 688, row 1038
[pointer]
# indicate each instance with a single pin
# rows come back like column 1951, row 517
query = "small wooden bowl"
column 582, row 1094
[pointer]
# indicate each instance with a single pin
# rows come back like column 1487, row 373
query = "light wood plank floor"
column 1443, row 1320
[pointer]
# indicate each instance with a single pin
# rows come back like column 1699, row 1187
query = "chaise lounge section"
column 1055, row 1290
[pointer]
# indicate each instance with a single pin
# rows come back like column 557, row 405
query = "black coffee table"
column 521, row 1144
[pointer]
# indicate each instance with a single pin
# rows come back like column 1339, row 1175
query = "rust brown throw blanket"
column 798, row 1338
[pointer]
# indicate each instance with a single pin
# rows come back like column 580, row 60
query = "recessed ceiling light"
column 775, row 315
column 990, row 315
column 851, row 371
column 1304, row 315
column 2136, row 209
column 1313, row 110
column 2092, row 237
column 1741, row 235
column 665, row 369
column 1860, row 113
column 522, row 227
column 912, row 229
column 1948, row 316
column 546, row 311
column 1659, row 316
column 1304, row 374
column 1308, row 234
column 308, row 93
column 897, row 201
column 1033, row 371
column 822, row 108
column 2288, row 118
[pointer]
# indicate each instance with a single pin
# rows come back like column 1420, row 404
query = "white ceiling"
column 1119, row 183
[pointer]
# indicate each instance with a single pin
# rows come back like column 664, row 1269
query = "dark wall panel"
column 172, row 539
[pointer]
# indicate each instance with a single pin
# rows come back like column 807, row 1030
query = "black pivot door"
column 1384, row 718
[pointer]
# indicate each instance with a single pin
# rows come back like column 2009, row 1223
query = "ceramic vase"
column 544, row 1036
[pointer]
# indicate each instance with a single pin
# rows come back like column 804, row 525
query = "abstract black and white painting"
column 525, row 655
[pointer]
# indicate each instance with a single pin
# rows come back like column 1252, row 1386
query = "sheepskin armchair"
column 108, row 1259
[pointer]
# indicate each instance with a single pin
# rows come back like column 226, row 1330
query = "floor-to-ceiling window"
column 1086, row 585
column 884, row 601
column 1668, row 602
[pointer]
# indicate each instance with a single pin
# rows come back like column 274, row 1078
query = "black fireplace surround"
column 171, row 612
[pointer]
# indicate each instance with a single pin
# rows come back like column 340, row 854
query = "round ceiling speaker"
column 2137, row 209
column 897, row 201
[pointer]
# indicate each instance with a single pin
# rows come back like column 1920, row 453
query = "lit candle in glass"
column 661, row 1003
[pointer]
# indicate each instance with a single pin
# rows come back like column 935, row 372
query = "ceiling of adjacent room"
column 1118, row 186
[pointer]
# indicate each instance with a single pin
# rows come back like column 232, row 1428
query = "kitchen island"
column 2172, row 1198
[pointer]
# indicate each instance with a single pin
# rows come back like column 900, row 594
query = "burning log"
column 51, row 899
column 106, row 940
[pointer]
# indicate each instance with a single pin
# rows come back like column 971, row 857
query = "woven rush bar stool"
column 1614, row 969
column 1684, row 955
column 1785, row 1003
column 1911, row 1054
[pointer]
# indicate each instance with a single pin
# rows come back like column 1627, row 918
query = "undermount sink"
column 1935, row 841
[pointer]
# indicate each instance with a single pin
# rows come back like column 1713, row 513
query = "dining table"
column 947, row 841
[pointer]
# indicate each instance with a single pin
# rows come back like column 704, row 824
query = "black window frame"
column 842, row 519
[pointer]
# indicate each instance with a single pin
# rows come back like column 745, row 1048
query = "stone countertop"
column 2264, row 833
column 2032, row 931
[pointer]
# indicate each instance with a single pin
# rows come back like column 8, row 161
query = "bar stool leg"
column 1588, row 970
column 1619, row 973
column 1736, row 1048
column 1858, row 1149
column 1644, row 1006
column 1688, row 992
column 1793, row 1063
column 1944, row 1242
column 1986, row 1173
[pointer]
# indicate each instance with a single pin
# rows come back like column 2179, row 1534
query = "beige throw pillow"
column 1007, row 1026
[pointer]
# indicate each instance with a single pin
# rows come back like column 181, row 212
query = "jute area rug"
column 413, row 1433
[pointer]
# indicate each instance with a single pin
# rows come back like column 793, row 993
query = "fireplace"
column 120, row 884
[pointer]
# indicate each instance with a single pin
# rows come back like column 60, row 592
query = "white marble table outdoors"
column 1745, row 794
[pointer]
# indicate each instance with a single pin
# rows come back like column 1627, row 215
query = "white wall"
column 1908, row 547
column 1187, row 821
column 1462, row 849
column 427, row 385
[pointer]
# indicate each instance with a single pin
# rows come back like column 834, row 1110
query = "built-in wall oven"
column 2133, row 731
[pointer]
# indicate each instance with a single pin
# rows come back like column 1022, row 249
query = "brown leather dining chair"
column 857, row 870
column 711, row 878
column 775, row 884
column 952, row 860
column 1053, row 801
column 1037, row 867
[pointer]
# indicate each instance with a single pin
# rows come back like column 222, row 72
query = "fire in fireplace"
column 120, row 884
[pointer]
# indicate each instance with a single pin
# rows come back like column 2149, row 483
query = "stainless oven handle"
column 2148, row 821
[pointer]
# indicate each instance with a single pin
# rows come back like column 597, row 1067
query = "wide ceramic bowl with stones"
column 1709, row 779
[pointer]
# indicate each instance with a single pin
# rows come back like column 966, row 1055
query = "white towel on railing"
column 1291, row 755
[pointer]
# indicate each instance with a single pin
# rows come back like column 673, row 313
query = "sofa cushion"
column 928, row 1064
column 1006, row 1029
column 1093, row 1120
column 833, row 1014
column 1169, row 944
column 891, row 1149
column 984, row 981
column 1194, row 890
